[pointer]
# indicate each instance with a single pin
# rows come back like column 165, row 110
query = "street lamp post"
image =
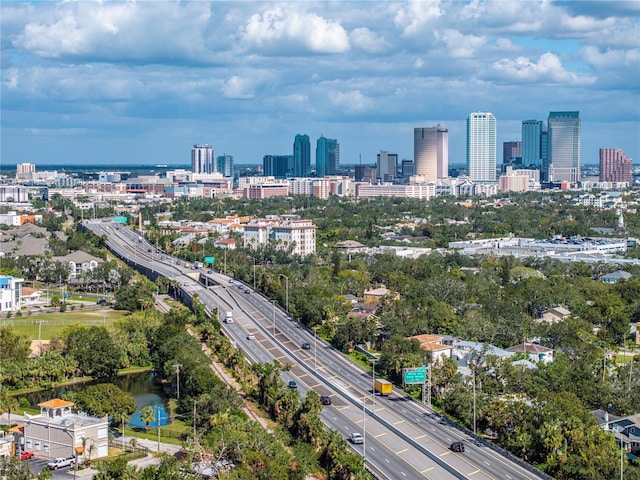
column 254, row 273
column 273, row 302
column 474, row 400
column 315, row 347
column 177, row 367
column 158, row 406
column 286, row 291
column 364, row 428
column 373, row 386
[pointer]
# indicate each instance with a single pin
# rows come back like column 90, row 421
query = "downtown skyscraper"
column 615, row 166
column 327, row 156
column 564, row 146
column 534, row 145
column 202, row 159
column 431, row 153
column 481, row 146
column 224, row 165
column 386, row 166
column 301, row 156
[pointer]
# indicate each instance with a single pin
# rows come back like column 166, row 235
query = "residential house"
column 227, row 243
column 79, row 263
column 465, row 352
column 615, row 277
column 375, row 295
column 533, row 352
column 60, row 432
column 31, row 297
column 435, row 345
column 554, row 315
column 626, row 431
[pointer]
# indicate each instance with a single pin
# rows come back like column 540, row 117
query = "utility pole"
column 273, row 302
column 177, row 367
column 158, row 428
column 194, row 418
column 364, row 428
column 373, row 386
column 474, row 400
column 315, row 348
column 286, row 291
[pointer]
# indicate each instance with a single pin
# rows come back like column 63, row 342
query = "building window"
column 46, row 448
column 37, row 446
column 28, row 444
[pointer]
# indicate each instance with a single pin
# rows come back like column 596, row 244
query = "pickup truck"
column 57, row 463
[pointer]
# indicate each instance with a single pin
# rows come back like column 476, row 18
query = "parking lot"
column 36, row 465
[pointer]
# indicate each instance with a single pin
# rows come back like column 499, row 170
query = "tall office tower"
column 387, row 166
column 511, row 151
column 365, row 173
column 276, row 165
column 532, row 149
column 224, row 165
column 202, row 159
column 301, row 156
column 615, row 166
column 481, row 146
column 327, row 156
column 564, row 146
column 408, row 168
column 431, row 152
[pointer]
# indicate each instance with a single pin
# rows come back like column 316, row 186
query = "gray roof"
column 78, row 257
column 25, row 246
column 619, row 275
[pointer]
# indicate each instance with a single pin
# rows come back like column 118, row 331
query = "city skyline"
column 132, row 83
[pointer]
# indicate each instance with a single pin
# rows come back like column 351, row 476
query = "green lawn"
column 54, row 323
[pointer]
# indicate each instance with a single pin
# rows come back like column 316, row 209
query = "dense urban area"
column 522, row 306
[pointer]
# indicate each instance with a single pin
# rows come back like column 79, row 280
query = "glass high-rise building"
column 564, row 146
column 327, row 156
column 277, row 165
column 202, row 159
column 431, row 152
column 224, row 165
column 532, row 148
column 301, row 156
column 481, row 146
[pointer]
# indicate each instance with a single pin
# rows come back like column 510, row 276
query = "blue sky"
column 140, row 82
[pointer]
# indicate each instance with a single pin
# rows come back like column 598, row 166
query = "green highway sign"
column 414, row 375
column 120, row 219
column 209, row 260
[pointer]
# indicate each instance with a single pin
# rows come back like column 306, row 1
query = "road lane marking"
column 427, row 470
column 380, row 435
column 401, row 451
column 398, row 423
column 473, row 473
column 403, row 474
column 443, row 454
column 420, row 436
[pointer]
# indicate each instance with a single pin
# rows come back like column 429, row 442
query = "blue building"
column 301, row 156
column 327, row 156
column 224, row 165
column 278, row 166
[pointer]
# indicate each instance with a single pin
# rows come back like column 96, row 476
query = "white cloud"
column 352, row 102
column 158, row 31
column 413, row 17
column 240, row 88
column 366, row 40
column 277, row 29
column 612, row 58
column 460, row 45
column 548, row 68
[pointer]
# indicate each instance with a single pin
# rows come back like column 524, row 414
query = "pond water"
column 142, row 386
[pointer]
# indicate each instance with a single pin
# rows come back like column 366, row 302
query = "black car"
column 306, row 346
column 293, row 384
column 325, row 399
column 457, row 447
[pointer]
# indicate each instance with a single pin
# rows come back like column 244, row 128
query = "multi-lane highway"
column 402, row 438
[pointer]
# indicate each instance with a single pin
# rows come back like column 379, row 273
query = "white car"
column 356, row 438
column 57, row 463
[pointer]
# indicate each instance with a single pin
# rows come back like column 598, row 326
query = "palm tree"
column 147, row 415
column 7, row 404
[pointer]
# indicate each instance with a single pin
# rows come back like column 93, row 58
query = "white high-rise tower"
column 202, row 159
column 481, row 146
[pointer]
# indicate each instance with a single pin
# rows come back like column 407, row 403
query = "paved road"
column 403, row 439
